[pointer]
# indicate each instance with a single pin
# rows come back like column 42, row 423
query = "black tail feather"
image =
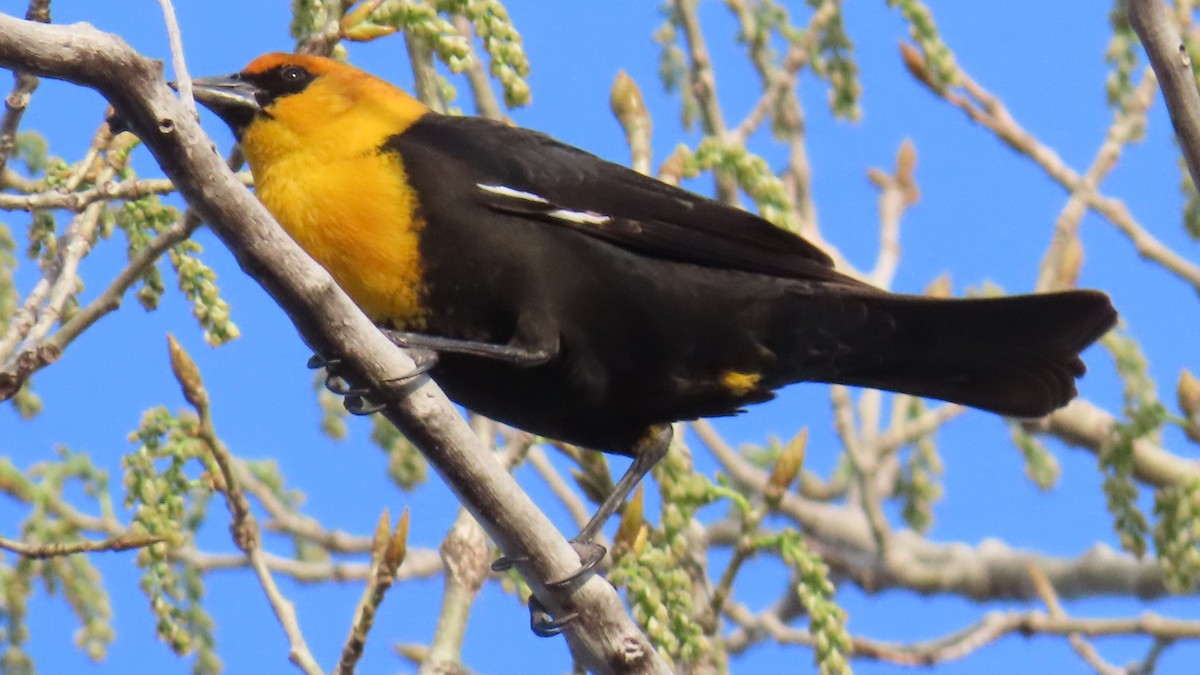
column 1016, row 355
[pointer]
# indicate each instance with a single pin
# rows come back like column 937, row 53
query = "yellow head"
column 285, row 103
column 315, row 133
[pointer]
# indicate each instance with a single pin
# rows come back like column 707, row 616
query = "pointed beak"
column 233, row 99
column 226, row 92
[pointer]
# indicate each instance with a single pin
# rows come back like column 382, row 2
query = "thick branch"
column 989, row 571
column 1084, row 425
column 1173, row 67
column 329, row 322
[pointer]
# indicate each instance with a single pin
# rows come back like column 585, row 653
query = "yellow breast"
column 320, row 166
column 356, row 216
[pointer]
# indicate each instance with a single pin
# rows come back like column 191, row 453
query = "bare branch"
column 558, row 485
column 989, row 111
column 1086, row 651
column 18, row 100
column 1084, row 425
column 244, row 527
column 388, row 551
column 183, row 81
column 75, row 201
column 988, row 571
column 465, row 557
column 992, row 627
column 703, row 84
column 37, row 550
column 1173, row 67
column 1055, row 271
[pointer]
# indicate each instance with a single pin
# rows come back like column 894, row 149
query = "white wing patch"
column 505, row 191
column 580, row 217
column 544, row 206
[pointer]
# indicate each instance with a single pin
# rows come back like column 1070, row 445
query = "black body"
column 648, row 296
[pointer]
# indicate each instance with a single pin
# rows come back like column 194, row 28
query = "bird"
column 579, row 300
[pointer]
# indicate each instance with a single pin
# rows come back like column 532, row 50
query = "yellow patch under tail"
column 739, row 383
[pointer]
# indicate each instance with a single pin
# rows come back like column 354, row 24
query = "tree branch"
column 1173, row 67
column 989, row 571
column 604, row 636
column 992, row 627
column 30, row 549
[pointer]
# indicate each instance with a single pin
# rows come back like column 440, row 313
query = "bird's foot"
column 542, row 623
column 590, row 556
column 357, row 399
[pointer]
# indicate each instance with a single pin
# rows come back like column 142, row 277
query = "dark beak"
column 233, row 99
column 225, row 92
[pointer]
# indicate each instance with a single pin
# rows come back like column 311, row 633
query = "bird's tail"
column 1016, row 355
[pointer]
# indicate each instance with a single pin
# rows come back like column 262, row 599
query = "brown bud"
column 914, row 61
column 379, row 540
column 626, row 100
column 187, row 374
column 632, row 519
column 397, row 548
column 786, row 469
column 878, row 177
column 351, row 20
column 1189, row 403
column 365, row 32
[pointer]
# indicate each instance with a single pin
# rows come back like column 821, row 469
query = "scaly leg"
column 647, row 452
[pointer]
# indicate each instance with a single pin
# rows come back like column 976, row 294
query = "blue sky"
column 986, row 214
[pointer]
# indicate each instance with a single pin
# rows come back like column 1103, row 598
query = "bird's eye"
column 293, row 74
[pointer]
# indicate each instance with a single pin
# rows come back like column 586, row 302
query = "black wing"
column 519, row 171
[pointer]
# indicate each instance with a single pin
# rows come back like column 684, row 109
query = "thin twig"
column 387, row 553
column 39, row 550
column 18, row 99
column 486, row 103
column 992, row 627
column 183, row 81
column 982, row 107
column 134, row 188
column 703, row 84
column 425, row 76
column 36, row 356
column 811, row 485
column 627, row 105
column 990, row 570
column 863, row 464
column 558, row 485
column 43, row 306
column 1086, row 651
column 244, row 526
column 284, row 519
column 1059, row 269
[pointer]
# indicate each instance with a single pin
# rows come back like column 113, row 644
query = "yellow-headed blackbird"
column 579, row 300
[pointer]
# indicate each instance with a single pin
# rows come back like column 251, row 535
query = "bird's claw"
column 357, row 401
column 544, row 625
column 356, row 404
column 590, row 556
